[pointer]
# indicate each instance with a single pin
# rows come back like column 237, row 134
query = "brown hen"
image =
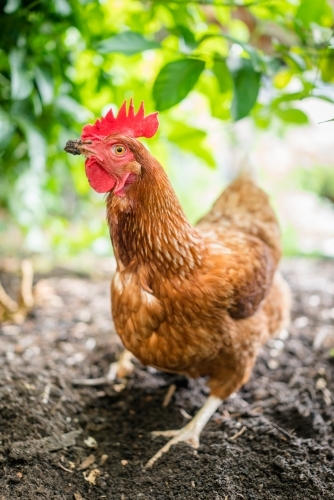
column 198, row 301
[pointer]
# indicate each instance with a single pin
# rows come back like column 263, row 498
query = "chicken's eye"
column 119, row 150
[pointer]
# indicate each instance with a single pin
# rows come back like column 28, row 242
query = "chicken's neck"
column 149, row 229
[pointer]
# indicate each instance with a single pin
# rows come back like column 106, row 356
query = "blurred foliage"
column 63, row 62
column 318, row 180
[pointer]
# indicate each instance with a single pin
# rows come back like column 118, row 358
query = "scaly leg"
column 191, row 432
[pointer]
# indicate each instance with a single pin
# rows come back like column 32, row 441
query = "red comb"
column 131, row 124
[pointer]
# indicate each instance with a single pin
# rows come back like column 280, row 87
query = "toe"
column 166, row 433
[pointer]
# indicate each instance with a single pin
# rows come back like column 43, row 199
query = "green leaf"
column 312, row 11
column 255, row 58
column 298, row 60
column 327, row 67
column 190, row 139
column 246, row 84
column 62, row 7
column 222, row 74
column 186, row 36
column 36, row 144
column 127, row 43
column 175, row 81
column 321, row 35
column 6, row 129
column 44, row 84
column 257, row 61
column 11, row 6
column 71, row 107
column 21, row 84
column 292, row 115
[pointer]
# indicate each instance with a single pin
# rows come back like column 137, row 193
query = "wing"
column 240, row 270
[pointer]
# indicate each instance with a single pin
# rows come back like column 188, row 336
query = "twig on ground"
column 26, row 299
column 169, row 395
column 283, row 431
column 185, row 414
column 46, row 393
column 64, row 468
column 238, row 434
column 321, row 335
column 90, row 382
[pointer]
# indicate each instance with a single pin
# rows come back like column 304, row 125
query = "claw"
column 167, row 434
column 190, row 433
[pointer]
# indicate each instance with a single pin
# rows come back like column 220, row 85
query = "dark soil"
column 286, row 411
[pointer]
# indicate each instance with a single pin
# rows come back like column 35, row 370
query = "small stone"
column 284, row 334
column 280, row 462
column 321, row 384
column 103, row 459
column 301, row 322
column 273, row 364
column 90, row 442
column 260, row 394
column 87, row 462
column 278, row 344
column 314, row 300
column 274, row 353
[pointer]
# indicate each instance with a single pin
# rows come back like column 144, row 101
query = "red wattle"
column 98, row 178
column 127, row 179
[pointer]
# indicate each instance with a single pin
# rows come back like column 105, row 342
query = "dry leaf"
column 92, row 476
column 77, row 496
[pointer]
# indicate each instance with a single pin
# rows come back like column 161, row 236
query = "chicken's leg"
column 119, row 369
column 191, row 432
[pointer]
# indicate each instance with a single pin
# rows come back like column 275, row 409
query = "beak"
column 73, row 147
column 77, row 147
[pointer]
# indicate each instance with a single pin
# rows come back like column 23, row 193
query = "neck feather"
column 148, row 227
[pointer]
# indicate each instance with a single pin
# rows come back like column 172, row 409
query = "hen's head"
column 109, row 148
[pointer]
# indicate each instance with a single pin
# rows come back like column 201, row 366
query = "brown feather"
column 198, row 301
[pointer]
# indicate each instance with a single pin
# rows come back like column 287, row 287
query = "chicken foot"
column 190, row 433
column 121, row 368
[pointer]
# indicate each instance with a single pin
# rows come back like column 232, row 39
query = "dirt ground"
column 58, row 440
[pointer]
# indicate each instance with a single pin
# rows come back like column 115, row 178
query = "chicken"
column 198, row 301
